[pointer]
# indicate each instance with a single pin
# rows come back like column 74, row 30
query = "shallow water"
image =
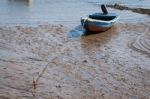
column 16, row 11
column 56, row 11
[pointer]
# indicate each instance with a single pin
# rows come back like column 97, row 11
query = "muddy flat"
column 43, row 62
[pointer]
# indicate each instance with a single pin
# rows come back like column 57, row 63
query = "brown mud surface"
column 42, row 62
column 137, row 10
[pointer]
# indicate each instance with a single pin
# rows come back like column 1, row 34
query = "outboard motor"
column 104, row 10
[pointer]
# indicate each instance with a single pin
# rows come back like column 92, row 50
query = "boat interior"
column 101, row 16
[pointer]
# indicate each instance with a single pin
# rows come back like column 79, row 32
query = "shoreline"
column 137, row 10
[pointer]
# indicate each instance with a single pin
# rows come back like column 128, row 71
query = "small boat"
column 99, row 22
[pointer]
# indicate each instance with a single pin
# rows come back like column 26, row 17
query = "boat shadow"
column 78, row 31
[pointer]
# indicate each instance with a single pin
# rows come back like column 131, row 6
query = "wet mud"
column 137, row 10
column 142, row 43
column 45, row 62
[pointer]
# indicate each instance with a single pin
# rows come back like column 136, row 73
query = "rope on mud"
column 35, row 82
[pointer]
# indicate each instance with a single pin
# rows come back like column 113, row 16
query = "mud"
column 99, row 66
column 137, row 10
column 142, row 43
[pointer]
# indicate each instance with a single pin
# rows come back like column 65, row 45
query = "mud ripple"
column 142, row 43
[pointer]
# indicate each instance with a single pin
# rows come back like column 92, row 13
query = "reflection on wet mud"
column 92, row 42
column 102, row 37
column 22, row 2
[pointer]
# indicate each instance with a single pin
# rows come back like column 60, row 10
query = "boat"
column 99, row 22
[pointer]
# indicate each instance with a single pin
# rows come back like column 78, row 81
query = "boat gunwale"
column 98, row 20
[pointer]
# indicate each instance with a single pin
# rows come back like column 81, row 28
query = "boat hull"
column 97, row 25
